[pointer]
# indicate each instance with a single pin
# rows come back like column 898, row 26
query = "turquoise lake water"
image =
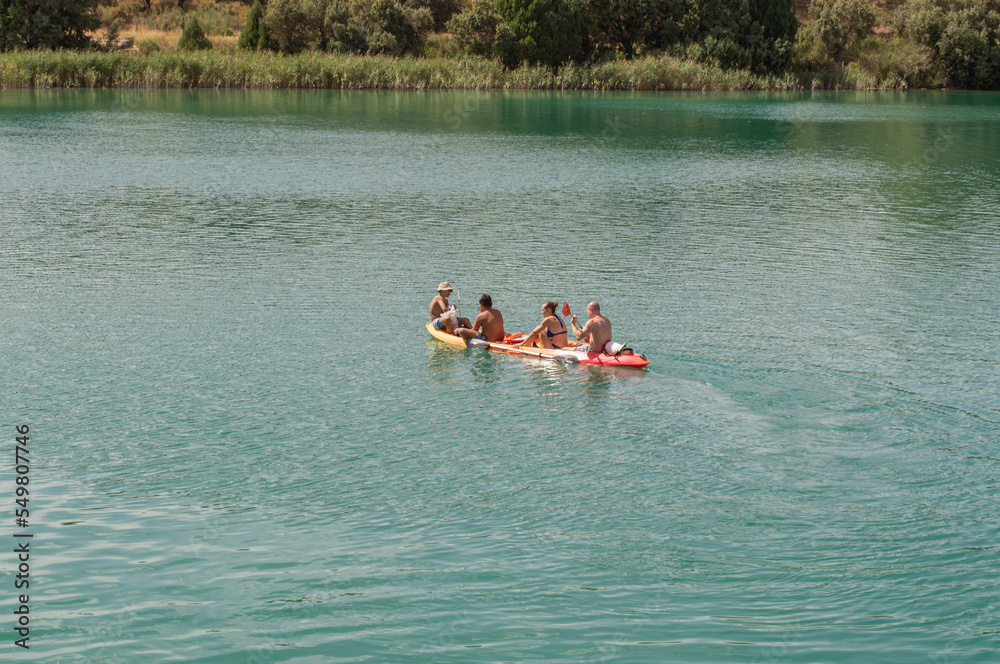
column 246, row 448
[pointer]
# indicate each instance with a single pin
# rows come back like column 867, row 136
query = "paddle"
column 567, row 314
column 567, row 357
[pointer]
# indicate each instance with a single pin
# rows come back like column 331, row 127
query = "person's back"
column 597, row 331
column 492, row 324
column 600, row 332
column 488, row 325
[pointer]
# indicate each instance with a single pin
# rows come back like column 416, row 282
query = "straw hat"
column 444, row 286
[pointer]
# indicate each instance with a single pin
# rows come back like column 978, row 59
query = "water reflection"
column 487, row 366
column 444, row 362
column 546, row 374
column 441, row 359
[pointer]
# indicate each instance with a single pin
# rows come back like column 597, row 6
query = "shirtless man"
column 597, row 331
column 439, row 305
column 488, row 325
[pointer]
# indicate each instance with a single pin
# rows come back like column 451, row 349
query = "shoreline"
column 232, row 68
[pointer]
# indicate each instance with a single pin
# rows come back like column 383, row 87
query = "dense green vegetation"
column 25, row 24
column 927, row 43
column 193, row 38
column 255, row 35
column 250, row 69
column 841, row 43
column 262, row 69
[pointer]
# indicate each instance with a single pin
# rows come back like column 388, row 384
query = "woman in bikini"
column 551, row 332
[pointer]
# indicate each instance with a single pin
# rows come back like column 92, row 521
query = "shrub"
column 193, row 38
column 840, row 24
column 898, row 59
column 148, row 46
column 922, row 21
column 442, row 46
column 810, row 53
column 441, row 10
column 383, row 42
column 215, row 17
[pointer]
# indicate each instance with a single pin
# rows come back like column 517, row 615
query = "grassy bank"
column 227, row 68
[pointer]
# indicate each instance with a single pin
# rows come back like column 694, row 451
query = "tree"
column 392, row 28
column 970, row 48
column 963, row 34
column 54, row 24
column 744, row 34
column 632, row 26
column 255, row 36
column 480, row 30
column 777, row 18
column 840, row 24
column 547, row 31
column 343, row 30
column 288, row 24
column 441, row 10
column 193, row 38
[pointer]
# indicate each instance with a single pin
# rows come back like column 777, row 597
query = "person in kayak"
column 551, row 332
column 488, row 325
column 596, row 333
column 439, row 305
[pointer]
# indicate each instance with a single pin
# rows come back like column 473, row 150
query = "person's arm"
column 479, row 322
column 580, row 332
column 534, row 334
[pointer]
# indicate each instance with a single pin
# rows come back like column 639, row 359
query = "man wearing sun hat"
column 439, row 305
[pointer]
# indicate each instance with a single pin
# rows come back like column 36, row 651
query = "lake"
column 244, row 446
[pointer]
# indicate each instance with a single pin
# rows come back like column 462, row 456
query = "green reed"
column 223, row 68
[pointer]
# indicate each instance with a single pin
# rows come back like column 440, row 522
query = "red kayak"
column 624, row 358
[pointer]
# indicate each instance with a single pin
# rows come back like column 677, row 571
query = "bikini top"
column 549, row 332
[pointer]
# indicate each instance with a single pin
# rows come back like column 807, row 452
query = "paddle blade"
column 567, row 358
column 565, row 308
